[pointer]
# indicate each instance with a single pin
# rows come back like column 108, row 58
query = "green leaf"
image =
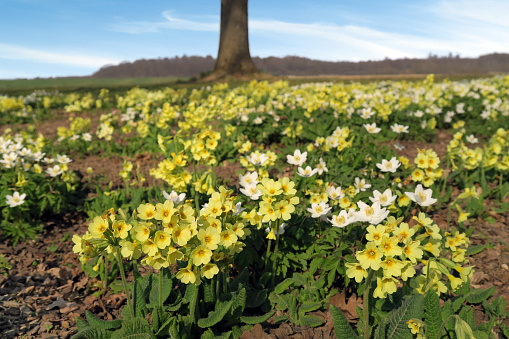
column 397, row 320
column 154, row 288
column 342, row 327
column 316, row 263
column 299, row 279
column 283, row 301
column 217, row 315
column 242, row 278
column 92, row 333
column 136, row 328
column 309, row 307
column 480, row 335
column 311, row 320
column 191, row 292
column 255, row 298
column 478, row 295
column 208, row 334
column 209, row 291
column 81, row 324
column 472, row 250
column 102, row 324
column 432, row 314
column 238, row 306
column 283, row 285
column 252, row 320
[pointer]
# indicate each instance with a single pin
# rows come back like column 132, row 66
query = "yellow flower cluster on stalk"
column 428, row 170
column 394, row 250
column 165, row 233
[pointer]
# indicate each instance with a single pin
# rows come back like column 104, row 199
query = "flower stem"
column 124, row 282
column 161, row 287
column 275, row 254
column 365, row 302
column 267, row 254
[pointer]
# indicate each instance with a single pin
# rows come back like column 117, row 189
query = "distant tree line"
column 191, row 66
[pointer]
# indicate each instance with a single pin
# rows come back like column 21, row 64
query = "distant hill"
column 190, row 66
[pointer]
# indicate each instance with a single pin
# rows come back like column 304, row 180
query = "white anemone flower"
column 361, row 185
column 306, row 172
column 298, row 158
column 421, row 196
column 335, row 193
column 257, row 159
column 371, row 128
column 238, row 208
column 399, row 128
column 320, row 210
column 174, row 196
column 373, row 214
column 385, row 199
column 321, row 167
column 15, row 199
column 251, row 191
column 472, row 139
column 389, row 166
column 281, row 228
column 342, row 219
column 54, row 171
column 63, row 159
column 248, row 179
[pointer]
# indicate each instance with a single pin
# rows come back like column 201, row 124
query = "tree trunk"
column 233, row 57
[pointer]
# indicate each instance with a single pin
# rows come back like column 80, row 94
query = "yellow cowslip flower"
column 433, row 231
column 345, row 203
column 214, row 208
column 146, row 211
column 270, row 187
column 465, row 272
column 469, row 192
column 389, row 246
column 404, row 160
column 181, row 235
column 165, row 211
column 384, row 286
column 238, row 228
column 412, row 251
column 392, row 223
column 162, row 239
column 121, row 229
column 271, row 235
column 287, row 186
column 187, row 275
column 421, row 160
column 186, row 212
column 414, row 326
column 423, row 220
column 433, row 246
column 427, row 181
column 237, row 247
column 173, row 255
column 142, row 232
column 462, row 216
column 408, row 271
column 371, row 257
column 269, row 212
column 209, row 237
column 459, row 255
column 228, row 238
column 403, row 232
column 455, row 281
column 418, row 174
column 98, row 226
column 392, row 267
column 209, row 270
column 157, row 261
column 201, row 255
column 375, row 234
column 130, row 250
column 149, row 247
column 285, row 209
column 355, row 270
column 404, row 200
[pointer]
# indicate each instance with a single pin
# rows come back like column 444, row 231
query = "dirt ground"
column 46, row 289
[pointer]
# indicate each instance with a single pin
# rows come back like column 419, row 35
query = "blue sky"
column 50, row 38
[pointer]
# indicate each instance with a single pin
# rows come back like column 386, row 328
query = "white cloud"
column 14, row 52
column 171, row 22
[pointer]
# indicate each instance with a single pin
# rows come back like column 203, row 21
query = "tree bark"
column 233, row 57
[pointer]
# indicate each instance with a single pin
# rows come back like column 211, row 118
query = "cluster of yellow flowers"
column 84, row 103
column 173, row 171
column 428, row 170
column 495, row 153
column 77, row 126
column 393, row 249
column 10, row 104
column 168, row 233
column 338, row 140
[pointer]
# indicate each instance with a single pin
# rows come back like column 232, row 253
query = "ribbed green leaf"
column 257, row 319
column 309, row 306
column 412, row 307
column 342, row 327
column 242, row 278
column 432, row 314
column 238, row 306
column 472, row 250
column 208, row 291
column 92, row 333
column 208, row 334
column 154, row 288
column 480, row 335
column 81, row 324
column 310, row 320
column 255, row 298
column 283, row 301
column 283, row 285
column 217, row 315
column 299, row 279
column 316, row 263
column 191, row 291
column 478, row 295
column 102, row 324
column 136, row 328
